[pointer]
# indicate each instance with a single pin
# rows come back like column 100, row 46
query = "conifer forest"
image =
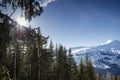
column 25, row 53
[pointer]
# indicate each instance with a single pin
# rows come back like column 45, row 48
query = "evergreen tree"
column 34, row 64
column 37, row 52
column 51, row 61
column 55, row 64
column 17, row 61
column 66, row 65
column 51, row 46
column 61, row 64
column 92, row 73
column 29, row 8
column 74, row 71
column 72, row 67
column 81, row 74
column 4, row 73
column 4, row 40
column 89, row 70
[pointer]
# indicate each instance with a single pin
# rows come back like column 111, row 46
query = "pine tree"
column 89, row 69
column 29, row 8
column 46, row 63
column 34, row 55
column 81, row 74
column 60, row 66
column 92, row 72
column 17, row 61
column 74, row 71
column 4, row 73
column 72, row 67
column 37, row 52
column 55, row 64
column 4, row 39
column 51, row 61
column 66, row 65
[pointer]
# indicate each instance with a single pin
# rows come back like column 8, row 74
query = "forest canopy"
column 29, row 8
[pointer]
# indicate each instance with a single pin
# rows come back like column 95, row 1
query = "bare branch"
column 13, row 12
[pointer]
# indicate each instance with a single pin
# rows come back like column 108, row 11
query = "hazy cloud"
column 44, row 3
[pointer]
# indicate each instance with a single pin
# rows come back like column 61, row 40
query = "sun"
column 21, row 21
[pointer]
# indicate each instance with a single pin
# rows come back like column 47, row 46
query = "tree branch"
column 13, row 12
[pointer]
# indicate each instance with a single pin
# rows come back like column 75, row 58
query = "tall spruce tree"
column 81, row 73
column 72, row 67
column 61, row 64
column 29, row 8
column 55, row 63
column 4, row 73
column 4, row 40
column 46, row 64
column 51, row 60
column 89, row 70
column 38, row 51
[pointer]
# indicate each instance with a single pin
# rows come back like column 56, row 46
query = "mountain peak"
column 108, row 41
column 105, row 58
column 111, row 45
column 114, row 43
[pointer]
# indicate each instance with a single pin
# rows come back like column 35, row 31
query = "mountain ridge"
column 105, row 58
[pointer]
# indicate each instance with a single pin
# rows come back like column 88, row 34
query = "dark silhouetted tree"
column 89, row 70
column 81, row 74
column 29, row 8
column 72, row 67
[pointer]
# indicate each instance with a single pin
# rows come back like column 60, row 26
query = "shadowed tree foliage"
column 72, row 67
column 29, row 8
column 89, row 69
column 60, row 65
column 4, row 41
column 4, row 73
column 81, row 73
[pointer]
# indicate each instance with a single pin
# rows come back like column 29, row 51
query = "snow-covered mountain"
column 105, row 57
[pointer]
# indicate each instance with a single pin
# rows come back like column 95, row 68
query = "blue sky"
column 80, row 22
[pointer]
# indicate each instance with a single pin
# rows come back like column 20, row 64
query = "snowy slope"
column 106, row 56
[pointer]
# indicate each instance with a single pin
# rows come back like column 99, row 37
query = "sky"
column 74, row 23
